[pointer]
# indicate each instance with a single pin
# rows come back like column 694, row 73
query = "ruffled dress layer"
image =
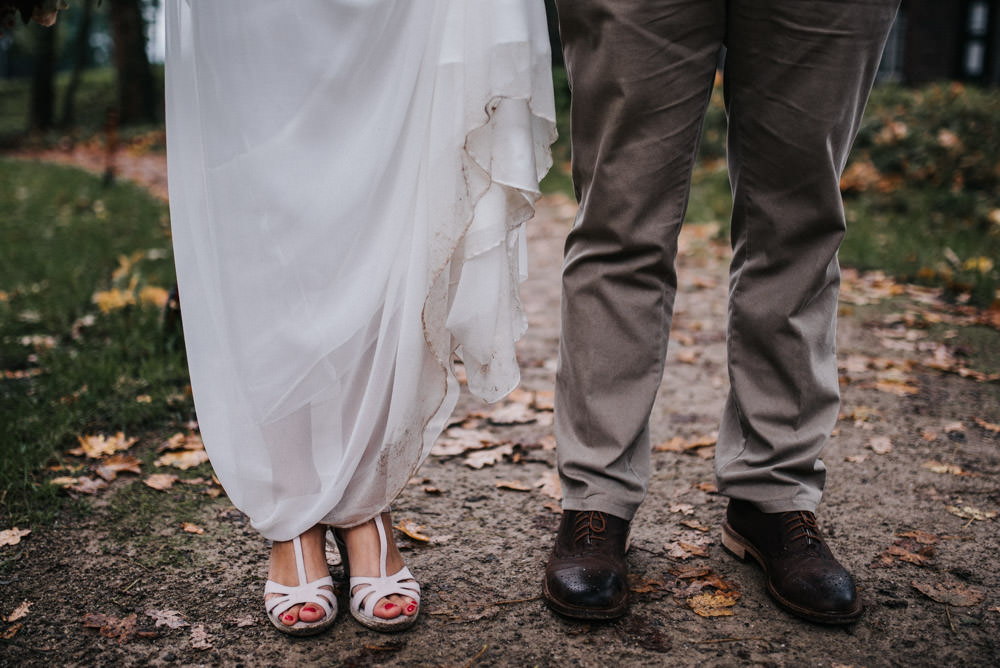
column 349, row 181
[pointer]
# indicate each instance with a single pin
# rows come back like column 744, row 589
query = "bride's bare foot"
column 283, row 571
column 363, row 547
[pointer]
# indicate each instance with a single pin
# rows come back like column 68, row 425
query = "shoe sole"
column 576, row 612
column 741, row 548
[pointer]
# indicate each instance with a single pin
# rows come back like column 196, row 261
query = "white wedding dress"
column 349, row 180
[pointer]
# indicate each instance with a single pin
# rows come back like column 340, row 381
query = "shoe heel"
column 733, row 544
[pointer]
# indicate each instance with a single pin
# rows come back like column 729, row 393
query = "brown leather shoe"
column 802, row 574
column 587, row 574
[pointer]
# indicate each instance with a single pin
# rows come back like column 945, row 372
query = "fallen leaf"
column 188, row 527
column 412, row 530
column 512, row 485
column 87, row 485
column 9, row 633
column 512, row 414
column 900, row 552
column 433, row 491
column 182, row 459
column 954, row 428
column 182, row 441
column 988, row 426
column 64, row 480
column 683, row 550
column 695, row 524
column 856, row 459
column 682, row 508
column 897, row 387
column 928, row 435
column 160, row 481
column 880, row 445
column 545, row 400
column 169, row 618
column 678, row 444
column 112, row 466
column 642, row 585
column 457, row 441
column 922, row 537
column 951, row 593
column 245, row 620
column 200, row 638
column 707, row 487
column 951, row 469
column 18, row 612
column 690, row 572
column 687, row 356
column 154, row 296
column 716, row 604
column 550, row 485
column 970, row 513
column 112, row 627
column 12, row 536
column 481, row 458
column 98, row 446
column 675, row 444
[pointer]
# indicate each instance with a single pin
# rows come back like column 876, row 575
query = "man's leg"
column 798, row 74
column 641, row 72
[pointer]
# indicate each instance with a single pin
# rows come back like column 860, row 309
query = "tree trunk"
column 136, row 93
column 43, row 95
column 81, row 60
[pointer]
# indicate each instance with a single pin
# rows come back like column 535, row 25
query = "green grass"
column 68, row 368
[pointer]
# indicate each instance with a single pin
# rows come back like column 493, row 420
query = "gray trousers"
column 797, row 77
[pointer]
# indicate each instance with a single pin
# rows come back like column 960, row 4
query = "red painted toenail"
column 289, row 618
column 411, row 608
column 390, row 606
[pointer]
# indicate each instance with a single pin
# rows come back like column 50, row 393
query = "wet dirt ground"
column 894, row 512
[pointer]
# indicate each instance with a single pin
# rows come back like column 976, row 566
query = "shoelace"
column 805, row 524
column 589, row 526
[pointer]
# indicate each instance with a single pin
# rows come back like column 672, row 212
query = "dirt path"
column 913, row 477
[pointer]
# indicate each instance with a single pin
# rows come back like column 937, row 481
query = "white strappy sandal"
column 366, row 592
column 309, row 593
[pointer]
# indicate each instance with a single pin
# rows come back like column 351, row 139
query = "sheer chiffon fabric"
column 349, row 180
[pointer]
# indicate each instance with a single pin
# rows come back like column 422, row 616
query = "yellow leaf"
column 183, row 459
column 112, row 466
column 113, row 299
column 153, row 296
column 188, row 527
column 64, row 480
column 99, row 445
column 412, row 530
column 988, row 426
column 939, row 467
column 160, row 481
column 717, row 604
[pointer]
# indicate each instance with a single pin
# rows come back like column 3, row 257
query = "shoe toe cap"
column 591, row 588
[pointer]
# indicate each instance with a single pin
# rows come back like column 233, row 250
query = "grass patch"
column 69, row 367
